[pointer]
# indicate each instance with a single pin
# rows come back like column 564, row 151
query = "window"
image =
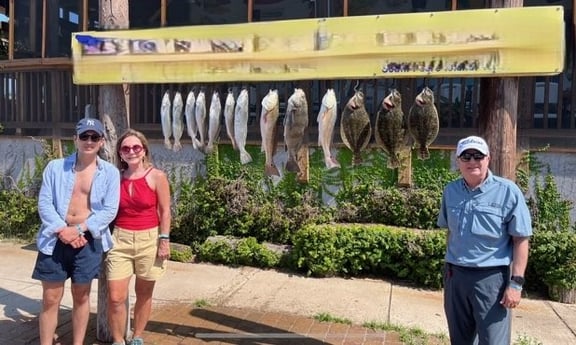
column 28, row 29
column 4, row 22
column 62, row 19
column 206, row 12
column 367, row 7
column 268, row 10
column 144, row 14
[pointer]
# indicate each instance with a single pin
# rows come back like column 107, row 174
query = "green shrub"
column 553, row 258
column 181, row 253
column 18, row 215
column 351, row 249
column 244, row 251
column 406, row 207
column 219, row 252
column 548, row 209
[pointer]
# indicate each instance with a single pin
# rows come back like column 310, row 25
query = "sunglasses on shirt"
column 477, row 156
column 136, row 149
column 93, row 137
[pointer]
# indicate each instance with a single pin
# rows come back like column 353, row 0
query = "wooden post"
column 408, row 90
column 498, row 118
column 112, row 109
column 304, row 164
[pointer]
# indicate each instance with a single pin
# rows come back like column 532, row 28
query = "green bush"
column 18, row 215
column 245, row 251
column 351, row 249
column 553, row 258
column 181, row 253
column 406, row 207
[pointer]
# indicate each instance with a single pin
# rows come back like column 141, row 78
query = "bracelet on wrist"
column 515, row 285
column 79, row 229
column 164, row 236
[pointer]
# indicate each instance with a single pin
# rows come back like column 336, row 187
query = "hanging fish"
column 214, row 121
column 423, row 122
column 191, row 126
column 295, row 124
column 241, row 125
column 268, row 131
column 200, row 115
column 165, row 109
column 391, row 132
column 177, row 121
column 326, row 121
column 229, row 118
column 355, row 127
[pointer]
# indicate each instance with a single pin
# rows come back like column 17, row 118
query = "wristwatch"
column 518, row 280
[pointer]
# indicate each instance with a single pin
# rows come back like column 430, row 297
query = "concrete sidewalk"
column 262, row 298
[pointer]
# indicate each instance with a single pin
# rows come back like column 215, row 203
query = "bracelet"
column 79, row 229
column 515, row 285
column 164, row 236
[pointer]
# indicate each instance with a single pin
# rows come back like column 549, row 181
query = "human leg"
column 459, row 313
column 493, row 319
column 143, row 305
column 148, row 269
column 52, row 293
column 117, row 313
column 119, row 269
column 86, row 263
column 52, row 271
column 80, row 311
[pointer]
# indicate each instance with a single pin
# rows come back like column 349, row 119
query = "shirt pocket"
column 454, row 214
column 488, row 221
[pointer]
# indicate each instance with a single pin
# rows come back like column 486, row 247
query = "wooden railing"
column 47, row 103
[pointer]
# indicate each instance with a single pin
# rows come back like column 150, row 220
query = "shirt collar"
column 482, row 187
column 70, row 162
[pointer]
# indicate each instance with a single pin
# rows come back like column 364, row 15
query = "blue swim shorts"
column 82, row 265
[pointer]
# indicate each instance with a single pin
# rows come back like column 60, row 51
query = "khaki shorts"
column 134, row 252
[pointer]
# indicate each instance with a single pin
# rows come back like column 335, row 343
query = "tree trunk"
column 112, row 107
column 499, row 114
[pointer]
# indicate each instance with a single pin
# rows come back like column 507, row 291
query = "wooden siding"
column 47, row 103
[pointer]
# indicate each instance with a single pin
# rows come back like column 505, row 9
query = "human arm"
column 52, row 221
column 513, row 294
column 164, row 213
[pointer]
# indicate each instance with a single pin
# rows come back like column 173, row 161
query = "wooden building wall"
column 38, row 97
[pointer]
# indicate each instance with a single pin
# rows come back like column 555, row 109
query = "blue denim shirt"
column 482, row 222
column 57, row 184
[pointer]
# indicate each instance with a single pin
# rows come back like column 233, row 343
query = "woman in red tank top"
column 141, row 236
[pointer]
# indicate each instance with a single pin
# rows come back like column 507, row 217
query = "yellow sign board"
column 488, row 42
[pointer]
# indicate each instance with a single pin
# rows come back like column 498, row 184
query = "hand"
column 164, row 250
column 511, row 298
column 79, row 242
column 67, row 234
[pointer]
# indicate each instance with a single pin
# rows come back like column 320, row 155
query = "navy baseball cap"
column 89, row 124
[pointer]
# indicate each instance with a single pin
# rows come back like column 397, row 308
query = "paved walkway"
column 252, row 306
column 181, row 324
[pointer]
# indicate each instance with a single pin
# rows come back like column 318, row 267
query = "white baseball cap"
column 472, row 143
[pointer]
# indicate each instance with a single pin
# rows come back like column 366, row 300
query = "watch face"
column 518, row 279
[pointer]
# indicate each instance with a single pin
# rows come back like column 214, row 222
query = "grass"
column 325, row 317
column 526, row 340
column 201, row 303
column 410, row 335
column 413, row 335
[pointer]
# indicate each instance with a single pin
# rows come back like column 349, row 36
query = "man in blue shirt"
column 78, row 200
column 489, row 227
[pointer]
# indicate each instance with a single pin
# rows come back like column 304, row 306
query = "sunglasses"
column 93, row 137
column 135, row 149
column 477, row 156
